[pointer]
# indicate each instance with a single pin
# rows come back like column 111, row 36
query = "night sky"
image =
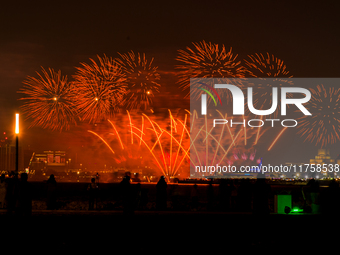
column 61, row 34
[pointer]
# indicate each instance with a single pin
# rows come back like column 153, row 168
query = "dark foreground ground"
column 151, row 232
column 107, row 230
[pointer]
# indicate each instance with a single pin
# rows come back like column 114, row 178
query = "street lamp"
column 16, row 143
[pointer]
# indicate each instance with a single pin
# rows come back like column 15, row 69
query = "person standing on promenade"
column 138, row 195
column 244, row 195
column 24, row 202
column 127, row 195
column 161, row 196
column 93, row 190
column 3, row 190
column 261, row 194
column 224, row 193
column 51, row 193
column 330, row 199
column 194, row 198
column 315, row 197
column 210, row 195
column 12, row 191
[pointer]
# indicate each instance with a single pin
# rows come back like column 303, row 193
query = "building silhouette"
column 323, row 164
column 8, row 155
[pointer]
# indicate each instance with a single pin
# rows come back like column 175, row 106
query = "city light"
column 17, row 123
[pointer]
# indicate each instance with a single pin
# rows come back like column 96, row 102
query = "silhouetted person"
column 307, row 193
column 12, row 192
column 194, row 197
column 161, row 196
column 93, row 193
column 244, row 195
column 224, row 190
column 175, row 197
column 330, row 199
column 138, row 193
column 315, row 196
column 51, row 193
column 126, row 195
column 210, row 195
column 97, row 178
column 24, row 202
column 261, row 194
column 233, row 198
column 3, row 191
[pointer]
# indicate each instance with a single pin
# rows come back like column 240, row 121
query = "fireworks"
column 142, row 80
column 162, row 144
column 106, row 86
column 273, row 72
column 169, row 146
column 223, row 145
column 99, row 89
column 49, row 101
column 207, row 60
column 323, row 126
column 260, row 66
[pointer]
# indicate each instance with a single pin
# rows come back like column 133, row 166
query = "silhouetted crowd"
column 15, row 194
column 236, row 195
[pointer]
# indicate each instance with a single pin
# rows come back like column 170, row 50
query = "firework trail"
column 207, row 60
column 99, row 87
column 322, row 128
column 49, row 101
column 171, row 145
column 223, row 145
column 142, row 80
column 163, row 144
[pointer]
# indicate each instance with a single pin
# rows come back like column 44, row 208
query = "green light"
column 282, row 202
column 297, row 210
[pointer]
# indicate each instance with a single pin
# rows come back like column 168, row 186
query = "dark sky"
column 61, row 34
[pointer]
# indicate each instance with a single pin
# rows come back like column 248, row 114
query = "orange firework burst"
column 273, row 72
column 207, row 60
column 142, row 80
column 49, row 101
column 262, row 66
column 323, row 126
column 100, row 88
